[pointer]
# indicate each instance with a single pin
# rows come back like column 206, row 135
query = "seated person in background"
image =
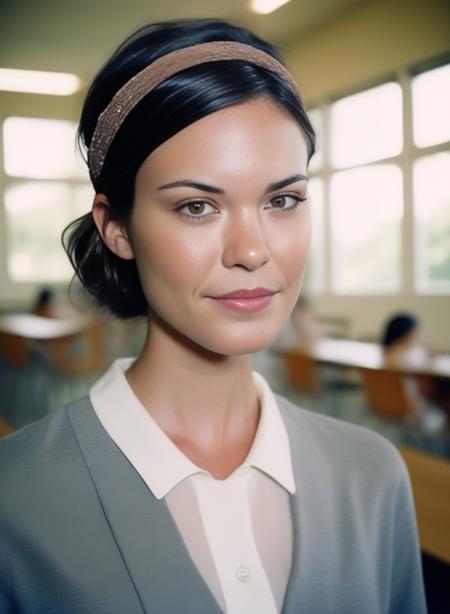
column 402, row 343
column 403, row 349
column 44, row 304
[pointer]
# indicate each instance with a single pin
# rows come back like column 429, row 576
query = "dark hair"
column 174, row 104
column 44, row 297
column 397, row 327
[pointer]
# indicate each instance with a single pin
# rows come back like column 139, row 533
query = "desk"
column 34, row 327
column 56, row 339
column 349, row 353
column 430, row 480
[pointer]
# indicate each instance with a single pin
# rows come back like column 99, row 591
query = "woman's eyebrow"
column 188, row 183
column 284, row 182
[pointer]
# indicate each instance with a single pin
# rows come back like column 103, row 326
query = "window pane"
column 431, row 106
column 41, row 148
column 317, row 160
column 36, row 213
column 83, row 198
column 366, row 215
column 367, row 126
column 314, row 279
column 432, row 223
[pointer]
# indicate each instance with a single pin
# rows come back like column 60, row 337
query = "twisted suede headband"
column 130, row 94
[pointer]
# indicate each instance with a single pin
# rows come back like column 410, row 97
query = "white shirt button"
column 243, row 574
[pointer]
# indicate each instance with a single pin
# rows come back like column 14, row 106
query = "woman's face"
column 209, row 220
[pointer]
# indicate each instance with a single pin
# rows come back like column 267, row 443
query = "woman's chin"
column 241, row 344
column 216, row 337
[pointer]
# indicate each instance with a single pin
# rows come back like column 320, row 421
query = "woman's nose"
column 244, row 242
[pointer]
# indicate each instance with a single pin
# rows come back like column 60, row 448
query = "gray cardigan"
column 80, row 533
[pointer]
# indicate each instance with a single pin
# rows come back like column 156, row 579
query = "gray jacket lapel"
column 310, row 513
column 154, row 553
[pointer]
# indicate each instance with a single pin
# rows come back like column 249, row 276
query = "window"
column 314, row 279
column 431, row 104
column 366, row 202
column 377, row 147
column 432, row 222
column 46, row 187
column 367, row 126
column 431, row 171
column 315, row 272
column 366, row 209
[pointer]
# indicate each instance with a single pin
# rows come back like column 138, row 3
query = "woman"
column 403, row 349
column 402, row 346
column 182, row 484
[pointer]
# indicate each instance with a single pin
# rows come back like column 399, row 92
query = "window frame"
column 409, row 266
column 6, row 182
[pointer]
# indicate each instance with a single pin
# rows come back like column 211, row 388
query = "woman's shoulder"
column 42, row 471
column 343, row 445
column 46, row 441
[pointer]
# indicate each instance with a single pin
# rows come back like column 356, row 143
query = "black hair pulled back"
column 173, row 105
column 398, row 327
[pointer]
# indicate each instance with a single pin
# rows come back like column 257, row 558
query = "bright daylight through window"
column 431, row 173
column 376, row 148
column 46, row 187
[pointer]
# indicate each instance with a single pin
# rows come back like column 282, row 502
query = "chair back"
column 84, row 352
column 5, row 427
column 14, row 349
column 386, row 393
column 301, row 371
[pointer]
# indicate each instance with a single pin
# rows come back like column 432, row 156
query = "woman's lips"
column 246, row 301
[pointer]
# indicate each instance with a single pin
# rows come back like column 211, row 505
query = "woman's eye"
column 196, row 209
column 286, row 201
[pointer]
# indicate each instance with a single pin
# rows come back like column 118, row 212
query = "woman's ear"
column 111, row 229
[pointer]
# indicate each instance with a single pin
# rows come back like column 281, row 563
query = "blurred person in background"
column 404, row 349
column 44, row 304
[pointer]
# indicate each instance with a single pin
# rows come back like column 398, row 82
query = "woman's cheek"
column 175, row 259
column 294, row 246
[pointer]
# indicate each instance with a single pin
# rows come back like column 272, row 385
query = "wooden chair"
column 5, row 427
column 84, row 352
column 302, row 372
column 14, row 348
column 386, row 393
column 430, row 479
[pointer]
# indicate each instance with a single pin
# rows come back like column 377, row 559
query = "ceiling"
column 78, row 35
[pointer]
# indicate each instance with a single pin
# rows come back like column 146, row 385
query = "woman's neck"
column 205, row 403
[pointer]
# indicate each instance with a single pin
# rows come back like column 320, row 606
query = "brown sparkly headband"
column 130, row 94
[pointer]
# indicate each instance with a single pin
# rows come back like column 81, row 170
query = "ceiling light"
column 38, row 82
column 264, row 7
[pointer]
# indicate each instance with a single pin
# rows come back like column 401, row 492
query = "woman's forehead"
column 255, row 137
